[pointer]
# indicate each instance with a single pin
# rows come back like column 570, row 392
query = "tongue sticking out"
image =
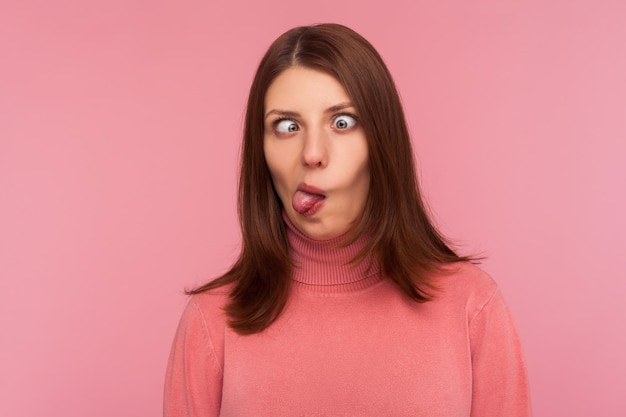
column 306, row 203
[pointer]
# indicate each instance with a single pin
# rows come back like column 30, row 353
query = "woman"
column 345, row 300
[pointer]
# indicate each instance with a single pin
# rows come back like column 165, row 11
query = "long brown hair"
column 403, row 239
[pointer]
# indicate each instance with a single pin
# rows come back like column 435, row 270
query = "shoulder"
column 465, row 284
column 465, row 277
column 212, row 301
column 203, row 325
column 204, row 313
column 209, row 305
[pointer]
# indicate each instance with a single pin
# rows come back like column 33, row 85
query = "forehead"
column 299, row 88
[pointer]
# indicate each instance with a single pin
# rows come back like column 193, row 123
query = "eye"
column 344, row 121
column 285, row 126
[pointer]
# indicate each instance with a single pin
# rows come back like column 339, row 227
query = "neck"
column 329, row 265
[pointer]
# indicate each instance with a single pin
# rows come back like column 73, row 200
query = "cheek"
column 278, row 171
column 359, row 169
column 270, row 159
column 363, row 181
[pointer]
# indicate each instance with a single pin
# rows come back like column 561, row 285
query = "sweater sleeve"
column 499, row 381
column 193, row 382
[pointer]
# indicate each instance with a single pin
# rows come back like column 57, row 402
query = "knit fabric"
column 350, row 344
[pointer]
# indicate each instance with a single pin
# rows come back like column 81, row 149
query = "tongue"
column 303, row 201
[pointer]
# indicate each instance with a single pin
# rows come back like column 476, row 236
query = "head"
column 333, row 54
column 331, row 65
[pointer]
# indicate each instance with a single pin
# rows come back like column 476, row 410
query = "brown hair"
column 403, row 239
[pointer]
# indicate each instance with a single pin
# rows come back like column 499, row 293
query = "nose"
column 315, row 149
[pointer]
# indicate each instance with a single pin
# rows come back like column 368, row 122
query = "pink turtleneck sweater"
column 350, row 344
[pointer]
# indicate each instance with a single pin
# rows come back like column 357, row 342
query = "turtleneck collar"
column 324, row 265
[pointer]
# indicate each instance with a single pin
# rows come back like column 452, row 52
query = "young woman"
column 345, row 299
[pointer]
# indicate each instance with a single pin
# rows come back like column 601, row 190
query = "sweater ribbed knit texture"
column 350, row 344
column 325, row 266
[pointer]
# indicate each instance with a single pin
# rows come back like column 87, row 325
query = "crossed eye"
column 286, row 126
column 341, row 122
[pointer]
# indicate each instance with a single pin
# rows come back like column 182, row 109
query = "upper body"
column 349, row 343
column 345, row 299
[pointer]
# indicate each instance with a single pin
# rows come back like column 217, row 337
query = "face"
column 316, row 152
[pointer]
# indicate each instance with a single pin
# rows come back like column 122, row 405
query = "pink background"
column 120, row 124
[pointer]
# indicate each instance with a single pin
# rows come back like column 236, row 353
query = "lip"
column 310, row 189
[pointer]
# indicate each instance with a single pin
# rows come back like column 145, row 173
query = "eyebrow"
column 287, row 113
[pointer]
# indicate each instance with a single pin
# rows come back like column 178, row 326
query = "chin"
column 320, row 232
